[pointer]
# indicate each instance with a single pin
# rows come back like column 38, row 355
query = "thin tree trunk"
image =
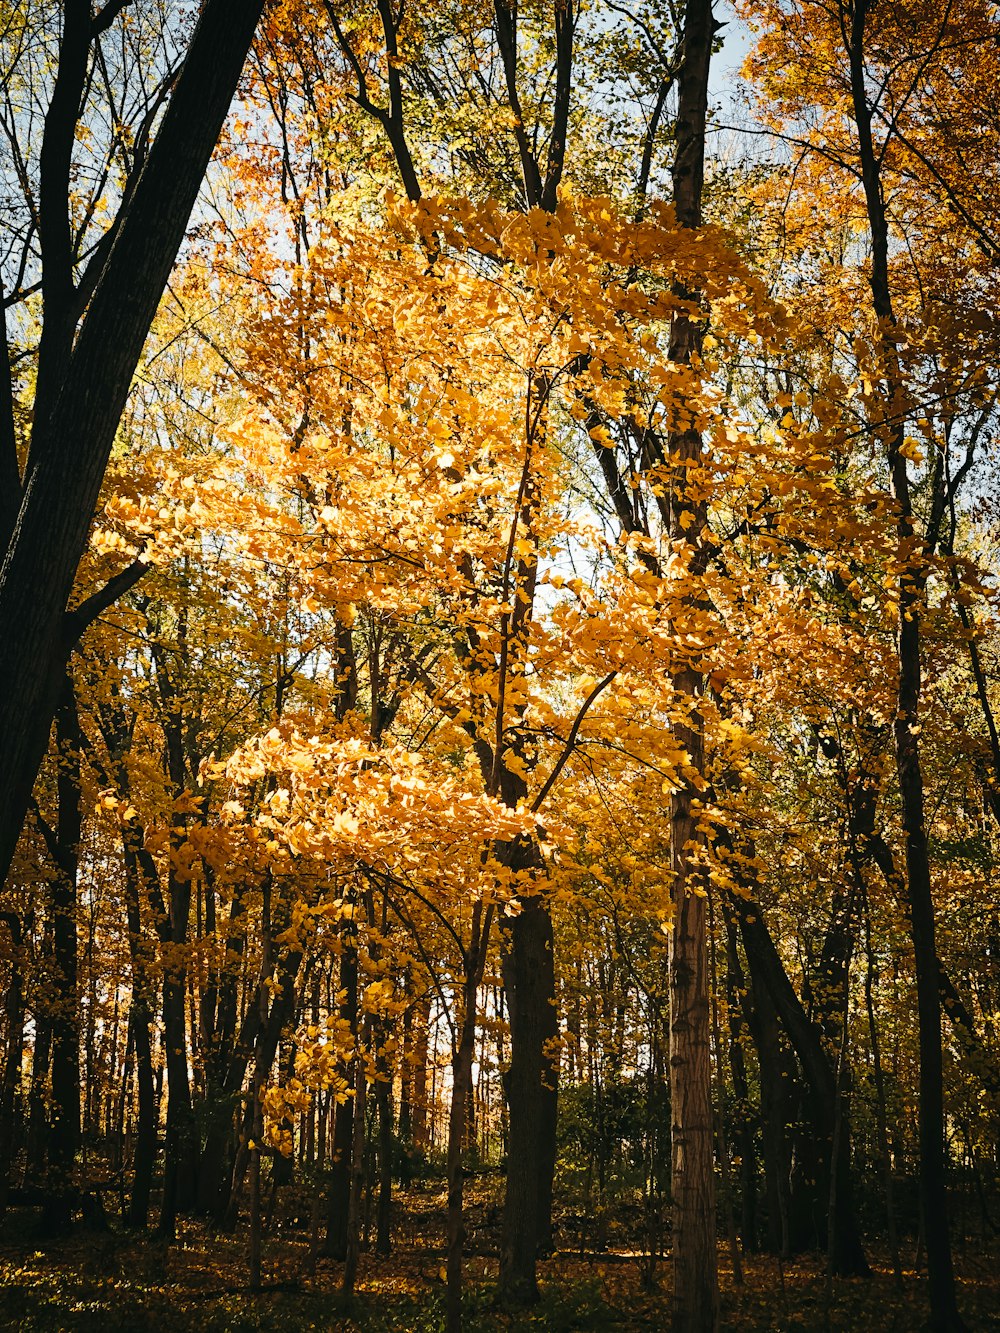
column 383, row 1215
column 254, row 1149
column 421, row 1023
column 357, row 1178
column 339, row 1199
column 723, row 1143
column 64, row 1127
column 461, row 1082
column 464, row 1051
column 180, row 1166
column 885, row 1160
column 696, row 1296
column 906, row 726
column 735, row 987
column 226, row 1059
column 36, row 1132
column 11, row 1081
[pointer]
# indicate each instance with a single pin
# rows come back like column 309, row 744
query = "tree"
column 96, row 312
column 696, row 1298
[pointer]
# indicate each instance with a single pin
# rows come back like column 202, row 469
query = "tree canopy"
column 498, row 641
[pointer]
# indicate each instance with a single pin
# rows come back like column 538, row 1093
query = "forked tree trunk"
column 83, row 384
column 278, row 982
column 772, row 987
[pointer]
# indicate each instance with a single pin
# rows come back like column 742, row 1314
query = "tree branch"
column 84, row 615
column 574, row 731
column 104, row 18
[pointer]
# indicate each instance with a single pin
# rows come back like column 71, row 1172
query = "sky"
column 724, row 82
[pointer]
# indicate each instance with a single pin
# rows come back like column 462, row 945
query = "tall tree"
column 912, row 584
column 95, row 318
column 696, row 1299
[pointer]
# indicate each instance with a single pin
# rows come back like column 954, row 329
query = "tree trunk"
column 181, row 1159
column 64, row 1126
column 530, row 1085
column 743, row 1117
column 140, row 874
column 227, row 1056
column 145, row 1137
column 84, row 385
column 696, row 1299
column 339, row 1199
column 461, row 1083
column 462, row 1058
column 356, row 1179
column 36, row 1132
column 268, row 1027
column 11, row 1081
column 383, row 1103
column 693, row 1172
column 906, row 725
column 768, row 975
column 180, row 1152
column 882, row 1133
column 421, row 1023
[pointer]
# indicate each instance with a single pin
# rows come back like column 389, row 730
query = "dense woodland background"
column 498, row 687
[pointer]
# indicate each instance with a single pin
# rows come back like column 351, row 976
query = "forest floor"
column 113, row 1282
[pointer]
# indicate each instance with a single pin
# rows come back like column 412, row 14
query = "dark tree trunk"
column 906, row 725
column 227, row 1057
column 181, row 1145
column 696, row 1294
column 778, row 1080
column 769, row 976
column 83, row 383
column 462, row 1057
column 36, row 1133
column 406, row 1079
column 461, row 1083
column 383, row 1105
column 421, row 1023
column 356, row 1179
column 743, row 1135
column 531, row 1088
column 141, row 877
column 11, row 1080
column 145, row 1134
column 268, row 1037
column 180, row 1148
column 64, row 1124
column 339, row 1199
